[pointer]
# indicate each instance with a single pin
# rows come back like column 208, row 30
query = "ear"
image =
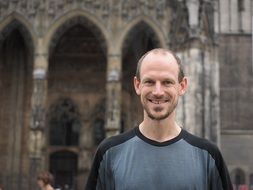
column 183, row 86
column 137, row 85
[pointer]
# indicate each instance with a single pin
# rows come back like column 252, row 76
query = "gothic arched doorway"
column 64, row 131
column 16, row 58
column 63, row 165
column 77, row 71
column 138, row 41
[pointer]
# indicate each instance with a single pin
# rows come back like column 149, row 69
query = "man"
column 158, row 154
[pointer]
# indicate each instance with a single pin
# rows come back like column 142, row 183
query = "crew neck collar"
column 156, row 143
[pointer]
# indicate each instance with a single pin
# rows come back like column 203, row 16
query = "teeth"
column 157, row 102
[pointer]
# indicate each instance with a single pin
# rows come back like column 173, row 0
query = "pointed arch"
column 151, row 24
column 140, row 38
column 16, row 20
column 16, row 62
column 75, row 16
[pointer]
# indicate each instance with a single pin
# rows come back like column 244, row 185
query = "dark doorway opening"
column 63, row 166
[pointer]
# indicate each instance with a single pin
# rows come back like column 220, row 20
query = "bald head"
column 161, row 52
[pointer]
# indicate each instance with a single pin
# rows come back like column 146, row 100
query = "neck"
column 160, row 130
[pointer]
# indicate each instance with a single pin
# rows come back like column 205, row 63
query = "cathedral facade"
column 66, row 80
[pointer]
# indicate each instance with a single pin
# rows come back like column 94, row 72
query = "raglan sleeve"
column 219, row 177
column 99, row 176
column 93, row 181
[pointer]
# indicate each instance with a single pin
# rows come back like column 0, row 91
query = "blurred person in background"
column 45, row 180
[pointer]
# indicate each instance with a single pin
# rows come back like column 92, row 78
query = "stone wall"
column 236, row 83
column 234, row 25
column 66, row 66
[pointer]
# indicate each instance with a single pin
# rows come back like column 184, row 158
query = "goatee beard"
column 161, row 117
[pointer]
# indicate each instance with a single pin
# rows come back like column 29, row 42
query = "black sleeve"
column 223, row 171
column 93, row 176
column 213, row 150
column 100, row 176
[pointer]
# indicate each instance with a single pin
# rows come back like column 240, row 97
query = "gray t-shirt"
column 131, row 161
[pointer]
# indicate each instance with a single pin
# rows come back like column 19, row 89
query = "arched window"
column 64, row 124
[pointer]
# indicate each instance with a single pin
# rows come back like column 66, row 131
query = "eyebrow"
column 165, row 79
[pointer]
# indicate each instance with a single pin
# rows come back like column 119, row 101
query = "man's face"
column 158, row 87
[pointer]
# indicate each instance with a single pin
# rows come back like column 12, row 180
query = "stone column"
column 199, row 108
column 37, row 125
column 215, row 127
column 113, row 95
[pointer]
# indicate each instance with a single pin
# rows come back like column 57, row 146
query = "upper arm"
column 220, row 174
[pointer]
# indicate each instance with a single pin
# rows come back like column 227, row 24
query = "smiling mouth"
column 158, row 101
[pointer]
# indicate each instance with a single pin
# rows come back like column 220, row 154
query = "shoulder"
column 211, row 148
column 214, row 151
column 217, row 166
column 114, row 141
column 203, row 144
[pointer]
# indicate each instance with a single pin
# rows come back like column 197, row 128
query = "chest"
column 160, row 168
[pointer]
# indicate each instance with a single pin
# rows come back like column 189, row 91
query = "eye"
column 148, row 82
column 168, row 83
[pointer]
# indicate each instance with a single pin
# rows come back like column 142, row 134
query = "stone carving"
column 36, row 143
column 179, row 32
column 131, row 8
column 207, row 11
column 113, row 75
column 193, row 10
column 103, row 9
column 192, row 19
column 64, row 110
column 64, row 123
column 38, row 110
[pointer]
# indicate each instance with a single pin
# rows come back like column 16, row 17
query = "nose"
column 158, row 89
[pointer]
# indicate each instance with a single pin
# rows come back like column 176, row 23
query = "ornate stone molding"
column 24, row 7
column 192, row 21
column 207, row 12
column 132, row 8
column 179, row 32
column 50, row 10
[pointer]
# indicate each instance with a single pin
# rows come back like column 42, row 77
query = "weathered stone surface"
column 86, row 51
column 236, row 84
